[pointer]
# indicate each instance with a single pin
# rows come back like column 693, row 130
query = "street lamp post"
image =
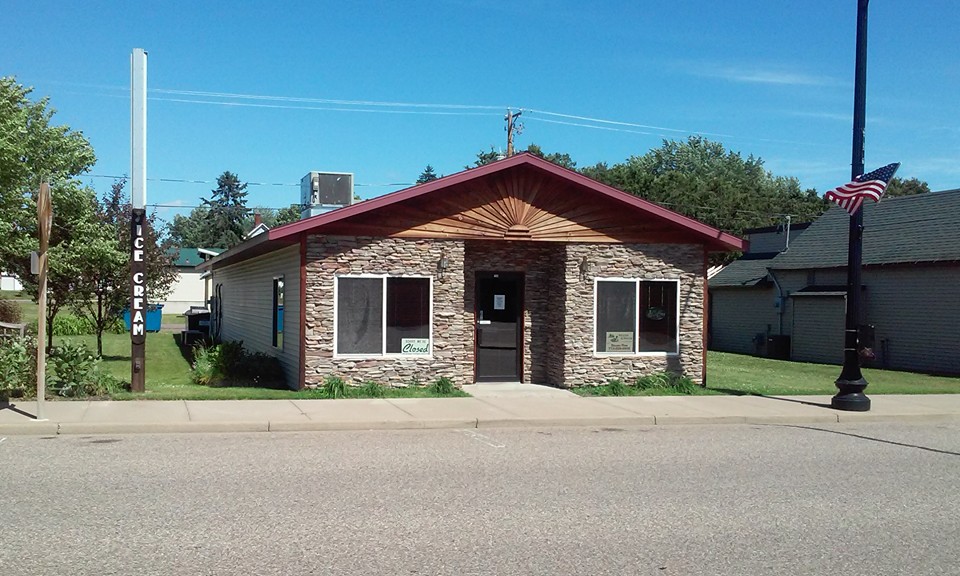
column 851, row 382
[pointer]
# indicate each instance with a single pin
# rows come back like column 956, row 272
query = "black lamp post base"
column 851, row 397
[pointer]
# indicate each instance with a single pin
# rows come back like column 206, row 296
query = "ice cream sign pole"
column 138, row 220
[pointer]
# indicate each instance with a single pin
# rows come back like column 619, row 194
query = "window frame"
column 383, row 337
column 636, row 319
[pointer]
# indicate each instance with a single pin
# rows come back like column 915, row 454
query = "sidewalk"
column 490, row 408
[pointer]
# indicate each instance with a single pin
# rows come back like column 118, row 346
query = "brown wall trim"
column 303, row 312
column 706, row 315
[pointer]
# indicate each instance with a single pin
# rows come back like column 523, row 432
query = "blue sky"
column 601, row 81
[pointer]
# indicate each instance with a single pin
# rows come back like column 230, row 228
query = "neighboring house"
column 10, row 282
column 744, row 311
column 910, row 307
column 518, row 271
column 192, row 286
column 258, row 227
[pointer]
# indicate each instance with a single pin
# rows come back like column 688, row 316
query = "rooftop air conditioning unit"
column 325, row 191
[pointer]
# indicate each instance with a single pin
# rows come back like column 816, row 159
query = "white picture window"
column 383, row 315
column 636, row 316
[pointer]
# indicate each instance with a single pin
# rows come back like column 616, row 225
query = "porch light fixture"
column 442, row 264
column 584, row 268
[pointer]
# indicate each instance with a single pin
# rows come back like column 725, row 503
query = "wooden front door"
column 499, row 327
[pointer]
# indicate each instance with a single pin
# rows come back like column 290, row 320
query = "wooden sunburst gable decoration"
column 513, row 205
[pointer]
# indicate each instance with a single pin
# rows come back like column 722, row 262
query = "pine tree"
column 227, row 209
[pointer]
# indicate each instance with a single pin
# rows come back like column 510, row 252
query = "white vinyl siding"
column 247, row 306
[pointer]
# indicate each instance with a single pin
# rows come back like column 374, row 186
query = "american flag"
column 871, row 185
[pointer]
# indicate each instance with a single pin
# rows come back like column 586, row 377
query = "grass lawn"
column 740, row 374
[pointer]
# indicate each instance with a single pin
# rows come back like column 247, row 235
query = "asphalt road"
column 862, row 499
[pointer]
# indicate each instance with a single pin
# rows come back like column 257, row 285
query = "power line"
column 190, row 181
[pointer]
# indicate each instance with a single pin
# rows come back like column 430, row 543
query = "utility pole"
column 512, row 127
column 851, row 382
column 138, row 221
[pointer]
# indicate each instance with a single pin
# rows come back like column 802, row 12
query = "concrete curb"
column 52, row 428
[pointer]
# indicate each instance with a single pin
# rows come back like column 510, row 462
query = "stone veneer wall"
column 328, row 256
column 642, row 261
column 558, row 306
column 543, row 303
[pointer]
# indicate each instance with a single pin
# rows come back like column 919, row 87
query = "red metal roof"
column 290, row 233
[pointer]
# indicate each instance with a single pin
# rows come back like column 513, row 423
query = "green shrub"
column 70, row 325
column 10, row 312
column 667, row 381
column 684, row 385
column 207, row 369
column 616, row 387
column 334, row 387
column 371, row 389
column 18, row 366
column 658, row 381
column 228, row 364
column 442, row 386
column 77, row 372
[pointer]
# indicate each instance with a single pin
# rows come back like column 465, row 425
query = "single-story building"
column 518, row 271
column 910, row 300
column 192, row 287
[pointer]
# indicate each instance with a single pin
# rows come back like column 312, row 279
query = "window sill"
column 635, row 354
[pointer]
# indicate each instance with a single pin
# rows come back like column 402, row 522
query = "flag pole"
column 851, row 382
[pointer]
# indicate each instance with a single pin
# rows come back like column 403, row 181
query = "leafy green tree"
column 557, row 158
column 901, row 187
column 226, row 210
column 287, row 215
column 73, row 211
column 189, row 231
column 701, row 179
column 428, row 175
column 103, row 262
column 31, row 148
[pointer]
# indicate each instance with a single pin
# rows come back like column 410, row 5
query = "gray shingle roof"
column 749, row 270
column 908, row 229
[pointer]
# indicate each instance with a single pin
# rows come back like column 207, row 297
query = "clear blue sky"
column 768, row 78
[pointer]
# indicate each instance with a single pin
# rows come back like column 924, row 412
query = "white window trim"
column 636, row 318
column 383, row 341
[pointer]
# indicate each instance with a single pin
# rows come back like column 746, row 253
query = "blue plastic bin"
column 154, row 318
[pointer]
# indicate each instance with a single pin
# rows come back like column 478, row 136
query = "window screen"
column 658, row 316
column 408, row 314
column 616, row 316
column 360, row 316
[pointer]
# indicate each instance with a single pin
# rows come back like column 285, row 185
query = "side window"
column 278, row 312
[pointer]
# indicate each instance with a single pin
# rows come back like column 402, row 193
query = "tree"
column 701, row 179
column 103, row 262
column 189, row 231
column 484, row 158
column 227, row 209
column 31, row 149
column 73, row 212
column 557, row 158
column 289, row 214
column 428, row 175
column 901, row 187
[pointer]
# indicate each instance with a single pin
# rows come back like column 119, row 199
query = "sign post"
column 45, row 220
column 138, row 221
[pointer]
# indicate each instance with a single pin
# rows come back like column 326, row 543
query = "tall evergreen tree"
column 227, row 208
column 428, row 175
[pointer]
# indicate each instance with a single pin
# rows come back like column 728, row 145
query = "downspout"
column 780, row 301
